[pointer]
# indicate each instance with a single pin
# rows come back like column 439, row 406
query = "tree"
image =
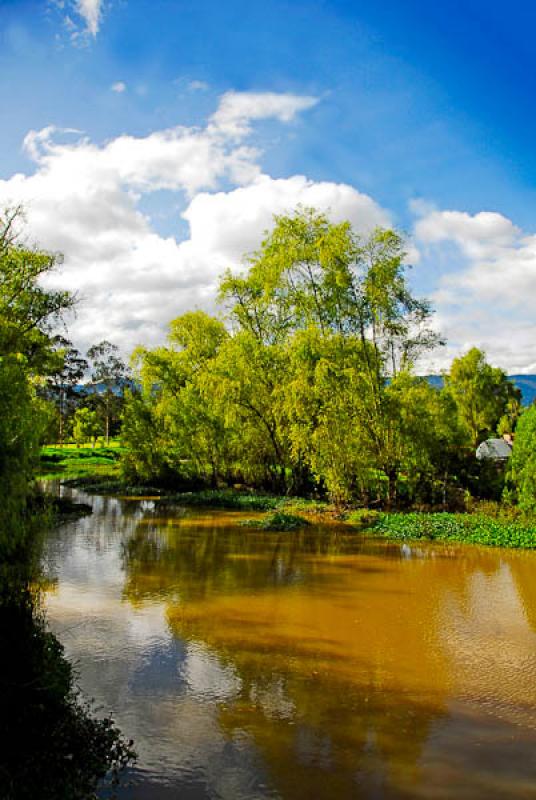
column 522, row 466
column 484, row 396
column 28, row 312
column 172, row 425
column 27, row 315
column 86, row 426
column 109, row 373
column 64, row 380
column 310, row 274
column 308, row 387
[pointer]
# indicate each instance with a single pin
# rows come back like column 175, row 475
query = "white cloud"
column 238, row 109
column 81, row 18
column 198, row 86
column 90, row 12
column 485, row 297
column 119, row 87
column 230, row 224
column 83, row 199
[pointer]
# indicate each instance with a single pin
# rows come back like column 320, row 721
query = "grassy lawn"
column 71, row 461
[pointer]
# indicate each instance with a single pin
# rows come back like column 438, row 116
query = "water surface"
column 321, row 664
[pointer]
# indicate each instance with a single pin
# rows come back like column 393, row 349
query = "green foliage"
column 363, row 517
column 173, row 426
column 27, row 312
column 109, row 375
column 522, row 467
column 85, row 426
column 72, row 462
column 278, row 521
column 486, row 400
column 67, row 368
column 226, row 499
column 470, row 528
column 312, row 390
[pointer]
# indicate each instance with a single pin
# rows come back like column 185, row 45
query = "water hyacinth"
column 471, row 528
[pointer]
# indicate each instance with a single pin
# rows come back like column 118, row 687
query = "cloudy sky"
column 151, row 141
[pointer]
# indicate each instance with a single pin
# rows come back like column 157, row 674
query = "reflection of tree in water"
column 205, row 553
column 328, row 712
column 338, row 641
column 523, row 570
column 53, row 746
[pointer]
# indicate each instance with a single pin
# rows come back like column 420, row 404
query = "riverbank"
column 96, row 471
column 69, row 462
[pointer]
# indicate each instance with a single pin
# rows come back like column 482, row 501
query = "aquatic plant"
column 278, row 521
column 472, row 528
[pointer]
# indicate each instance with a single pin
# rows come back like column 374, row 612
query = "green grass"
column 76, row 462
column 227, row 498
column 470, row 528
column 303, row 505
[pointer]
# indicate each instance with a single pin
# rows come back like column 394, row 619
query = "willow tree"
column 170, row 425
column 307, row 385
column 351, row 293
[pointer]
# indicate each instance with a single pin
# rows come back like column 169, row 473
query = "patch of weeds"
column 472, row 528
column 278, row 521
column 226, row 498
column 304, row 505
column 364, row 517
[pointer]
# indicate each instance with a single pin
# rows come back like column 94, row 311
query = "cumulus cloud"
column 83, row 199
column 485, row 296
column 238, row 109
column 119, row 87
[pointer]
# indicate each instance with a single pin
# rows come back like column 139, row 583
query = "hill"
column 526, row 383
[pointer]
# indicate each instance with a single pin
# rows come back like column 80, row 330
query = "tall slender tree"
column 109, row 375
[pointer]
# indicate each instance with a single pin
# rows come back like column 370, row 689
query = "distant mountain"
column 525, row 383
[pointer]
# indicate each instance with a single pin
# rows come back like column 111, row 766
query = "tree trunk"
column 391, row 489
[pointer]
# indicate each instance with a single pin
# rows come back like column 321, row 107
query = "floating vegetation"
column 472, row 528
column 278, row 521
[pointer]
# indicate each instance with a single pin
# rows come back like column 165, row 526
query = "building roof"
column 496, row 449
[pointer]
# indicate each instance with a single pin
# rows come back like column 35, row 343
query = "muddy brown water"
column 312, row 665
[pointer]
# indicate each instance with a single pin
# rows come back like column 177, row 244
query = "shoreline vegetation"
column 303, row 385
column 97, row 471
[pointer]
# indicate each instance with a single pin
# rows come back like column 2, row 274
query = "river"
column 304, row 666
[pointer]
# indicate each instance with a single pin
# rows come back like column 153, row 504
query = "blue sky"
column 426, row 109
